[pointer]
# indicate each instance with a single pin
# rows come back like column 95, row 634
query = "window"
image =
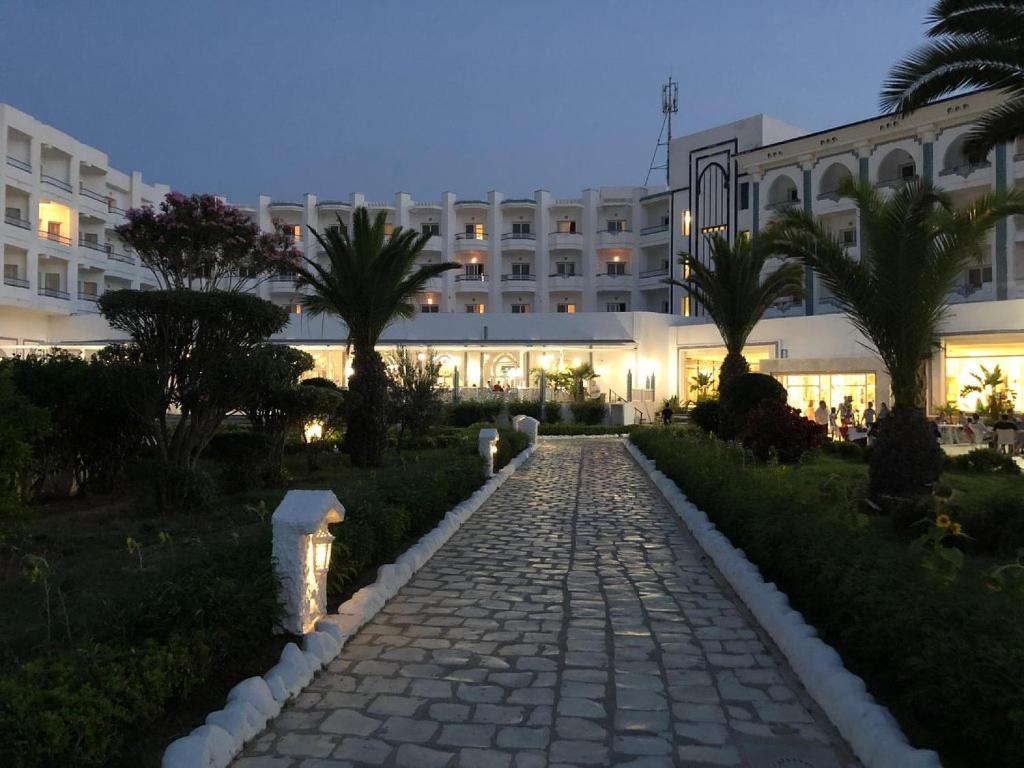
column 616, row 267
column 615, row 306
column 567, row 227
column 565, row 268
column 906, row 171
column 744, row 196
column 566, row 309
column 89, row 288
column 794, row 196
column 474, row 231
column 520, row 227
column 10, row 271
column 337, row 229
column 429, row 309
column 980, row 276
column 12, row 213
column 430, row 229
column 521, row 270
column 474, row 270
column 53, row 228
column 91, row 237
column 848, row 236
column 51, row 281
column 616, row 225
column 388, row 229
column 475, row 309
column 520, row 309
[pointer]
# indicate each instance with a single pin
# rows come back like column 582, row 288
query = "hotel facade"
column 548, row 282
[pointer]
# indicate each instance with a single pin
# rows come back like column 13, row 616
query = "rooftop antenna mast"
column 669, row 107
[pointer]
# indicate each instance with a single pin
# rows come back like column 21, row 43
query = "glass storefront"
column 699, row 368
column 973, row 363
column 806, row 388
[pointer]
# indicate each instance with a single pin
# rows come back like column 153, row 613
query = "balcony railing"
column 518, row 278
column 53, row 293
column 613, row 274
column 56, row 237
column 662, row 272
column 15, row 282
column 896, row 183
column 284, row 278
column 781, row 205
column 17, row 221
column 563, row 274
column 964, row 169
column 470, row 278
column 94, row 245
column 518, row 236
column 88, row 296
column 53, row 181
column 654, row 229
column 93, row 195
column 470, row 235
column 124, row 258
column 614, row 231
column 19, row 164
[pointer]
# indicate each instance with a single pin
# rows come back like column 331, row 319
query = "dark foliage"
column 467, row 412
column 588, row 411
column 774, row 428
column 705, row 414
column 742, row 394
column 906, row 458
column 983, row 461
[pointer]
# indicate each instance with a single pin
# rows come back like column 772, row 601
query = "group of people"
column 1004, row 435
column 840, row 422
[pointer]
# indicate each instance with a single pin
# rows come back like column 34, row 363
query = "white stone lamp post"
column 528, row 425
column 302, row 555
column 488, row 444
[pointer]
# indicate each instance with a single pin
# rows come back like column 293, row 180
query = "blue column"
column 808, row 272
column 1001, row 256
column 756, row 202
column 928, row 164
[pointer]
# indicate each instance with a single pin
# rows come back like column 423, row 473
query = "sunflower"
column 956, row 529
column 943, row 521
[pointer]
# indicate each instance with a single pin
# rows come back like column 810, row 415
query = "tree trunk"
column 907, row 458
column 733, row 366
column 366, row 432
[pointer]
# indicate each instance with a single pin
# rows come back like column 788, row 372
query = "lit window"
column 474, row 231
column 475, row 309
column 388, row 229
column 685, row 223
column 715, row 229
column 567, row 227
column 616, row 267
column 617, row 225
column 567, row 309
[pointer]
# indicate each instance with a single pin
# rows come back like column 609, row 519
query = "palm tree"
column 975, row 44
column 734, row 294
column 914, row 249
column 368, row 281
column 994, row 384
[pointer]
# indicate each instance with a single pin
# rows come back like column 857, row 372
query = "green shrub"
column 510, row 445
column 705, row 414
column 468, row 412
column 983, row 461
column 531, row 408
column 940, row 656
column 843, row 449
column 774, row 428
column 589, row 411
column 319, row 381
column 586, row 429
column 994, row 521
column 741, row 395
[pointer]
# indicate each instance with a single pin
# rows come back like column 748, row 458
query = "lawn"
column 946, row 657
column 121, row 627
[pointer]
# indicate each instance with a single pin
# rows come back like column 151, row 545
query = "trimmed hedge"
column 468, row 412
column 510, row 445
column 586, row 429
column 948, row 660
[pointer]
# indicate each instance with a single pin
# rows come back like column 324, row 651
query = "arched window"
column 897, row 168
column 828, row 187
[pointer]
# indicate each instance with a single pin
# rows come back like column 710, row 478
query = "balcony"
column 655, row 229
column 650, row 274
column 98, row 197
column 519, row 279
column 55, row 237
column 111, row 208
column 54, row 293
column 16, row 221
column 614, row 237
column 21, row 165
column 279, row 282
column 518, row 240
column 780, row 205
column 464, row 278
column 94, row 245
column 565, row 281
column 606, row 280
column 53, row 181
column 565, row 241
column 15, row 282
column 88, row 296
column 124, row 258
column 964, row 169
column 896, row 183
column 471, row 241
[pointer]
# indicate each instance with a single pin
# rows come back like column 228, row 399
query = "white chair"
column 1006, row 438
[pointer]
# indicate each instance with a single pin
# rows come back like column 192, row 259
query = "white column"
column 448, row 254
column 309, row 219
column 495, row 267
column 403, row 200
column 635, row 302
column 542, row 258
column 135, row 189
column 588, row 263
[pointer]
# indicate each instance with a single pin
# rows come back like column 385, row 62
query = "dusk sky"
column 241, row 98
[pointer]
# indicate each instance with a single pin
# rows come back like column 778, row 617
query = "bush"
column 510, row 445
column 531, row 408
column 994, row 521
column 906, row 458
column 705, row 414
column 586, row 429
column 589, row 411
column 319, row 381
column 939, row 656
column 843, row 449
column 741, row 395
column 983, row 461
column 468, row 412
column 775, row 428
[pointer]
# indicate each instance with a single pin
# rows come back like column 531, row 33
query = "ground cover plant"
column 944, row 651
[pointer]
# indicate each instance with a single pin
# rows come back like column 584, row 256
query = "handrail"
column 613, row 274
column 470, row 236
column 564, row 274
column 780, row 205
column 964, row 169
column 16, row 282
column 471, row 278
column 529, row 277
column 96, row 246
column 86, row 296
column 654, row 228
column 556, row 232
column 124, row 258
column 55, row 182
column 84, row 190
column 896, row 182
column 55, row 237
column 20, row 164
column 17, row 221
column 53, row 293
column 518, row 236
column 654, row 272
column 111, row 208
column 625, row 231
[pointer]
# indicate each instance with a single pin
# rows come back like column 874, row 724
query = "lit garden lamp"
column 312, row 433
column 302, row 555
column 488, row 446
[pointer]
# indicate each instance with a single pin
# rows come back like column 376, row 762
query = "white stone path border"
column 255, row 701
column 869, row 727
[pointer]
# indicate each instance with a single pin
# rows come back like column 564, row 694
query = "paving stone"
column 574, row 577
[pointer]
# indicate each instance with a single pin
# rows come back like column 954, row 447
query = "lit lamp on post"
column 488, row 445
column 302, row 556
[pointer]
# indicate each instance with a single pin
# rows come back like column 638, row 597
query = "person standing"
column 833, row 423
column 883, row 411
column 869, row 415
column 809, row 413
column 666, row 415
column 821, row 417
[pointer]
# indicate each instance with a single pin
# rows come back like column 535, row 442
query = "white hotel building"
column 547, row 281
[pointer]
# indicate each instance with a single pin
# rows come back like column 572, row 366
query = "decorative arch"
column 958, row 160
column 897, row 167
column 831, row 179
column 783, row 191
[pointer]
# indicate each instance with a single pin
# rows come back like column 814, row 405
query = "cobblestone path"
column 572, row 621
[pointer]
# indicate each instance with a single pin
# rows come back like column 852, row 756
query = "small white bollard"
column 529, row 426
column 488, row 445
column 302, row 555
column 517, row 420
